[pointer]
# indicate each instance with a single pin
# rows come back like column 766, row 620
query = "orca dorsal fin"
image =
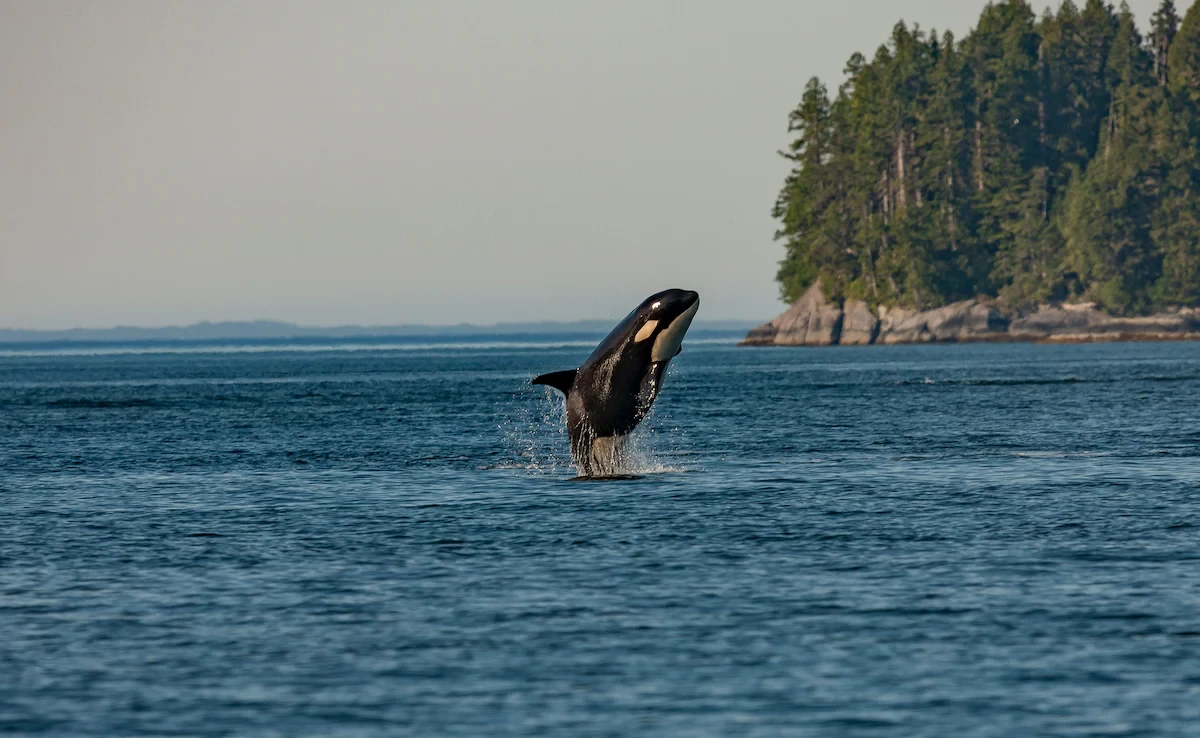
column 560, row 381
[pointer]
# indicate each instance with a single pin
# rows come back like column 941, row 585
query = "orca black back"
column 615, row 387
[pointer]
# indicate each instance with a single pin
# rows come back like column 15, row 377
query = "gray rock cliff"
column 1083, row 322
column 969, row 320
column 814, row 321
column 810, row 321
column 859, row 324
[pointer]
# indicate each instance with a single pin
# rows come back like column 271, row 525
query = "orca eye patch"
column 646, row 331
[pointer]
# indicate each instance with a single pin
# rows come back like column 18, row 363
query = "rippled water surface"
column 992, row 540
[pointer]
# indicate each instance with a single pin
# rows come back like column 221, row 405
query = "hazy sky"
column 165, row 162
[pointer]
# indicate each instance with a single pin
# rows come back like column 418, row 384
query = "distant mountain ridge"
column 276, row 330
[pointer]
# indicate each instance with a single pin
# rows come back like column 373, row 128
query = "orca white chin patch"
column 646, row 331
column 667, row 343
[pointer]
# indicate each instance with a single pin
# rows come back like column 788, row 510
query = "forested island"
column 1040, row 163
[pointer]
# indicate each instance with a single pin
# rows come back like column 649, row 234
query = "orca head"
column 663, row 319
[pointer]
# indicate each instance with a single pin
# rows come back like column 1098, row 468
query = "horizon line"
column 275, row 329
column 334, row 326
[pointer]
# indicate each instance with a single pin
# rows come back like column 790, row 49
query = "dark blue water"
column 994, row 540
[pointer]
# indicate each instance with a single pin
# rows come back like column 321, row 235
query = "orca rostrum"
column 610, row 393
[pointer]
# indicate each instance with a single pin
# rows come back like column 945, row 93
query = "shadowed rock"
column 859, row 324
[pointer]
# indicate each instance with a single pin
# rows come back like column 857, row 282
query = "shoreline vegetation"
column 1038, row 180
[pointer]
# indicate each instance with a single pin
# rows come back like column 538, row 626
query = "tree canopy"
column 1037, row 159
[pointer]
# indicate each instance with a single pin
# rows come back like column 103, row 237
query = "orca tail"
column 560, row 381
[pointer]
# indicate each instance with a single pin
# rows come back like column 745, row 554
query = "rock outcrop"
column 969, row 320
column 810, row 321
column 814, row 321
column 902, row 325
column 1083, row 322
column 859, row 324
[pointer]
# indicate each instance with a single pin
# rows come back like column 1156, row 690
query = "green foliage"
column 1107, row 212
column 1037, row 159
column 1163, row 26
column 1184, row 59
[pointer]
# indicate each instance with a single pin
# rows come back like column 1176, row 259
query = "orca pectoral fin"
column 560, row 381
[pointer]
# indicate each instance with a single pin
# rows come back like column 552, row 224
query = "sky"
column 402, row 161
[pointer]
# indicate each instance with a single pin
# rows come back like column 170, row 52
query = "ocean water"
column 976, row 540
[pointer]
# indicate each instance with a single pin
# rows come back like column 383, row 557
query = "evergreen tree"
column 1036, row 159
column 1075, row 84
column 944, row 147
column 1106, row 224
column 805, row 195
column 1029, row 263
column 1176, row 229
column 1003, row 55
column 1183, row 60
column 1164, row 24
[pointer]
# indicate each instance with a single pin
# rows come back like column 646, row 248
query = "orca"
column 610, row 393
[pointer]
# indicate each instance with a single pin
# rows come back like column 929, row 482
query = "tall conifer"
column 1164, row 24
column 1177, row 219
column 1036, row 159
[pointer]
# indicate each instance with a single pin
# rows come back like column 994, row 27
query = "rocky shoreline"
column 814, row 321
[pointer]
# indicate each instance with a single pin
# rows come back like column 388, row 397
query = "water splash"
column 659, row 443
column 533, row 425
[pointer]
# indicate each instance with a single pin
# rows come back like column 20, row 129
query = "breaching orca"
column 614, row 388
